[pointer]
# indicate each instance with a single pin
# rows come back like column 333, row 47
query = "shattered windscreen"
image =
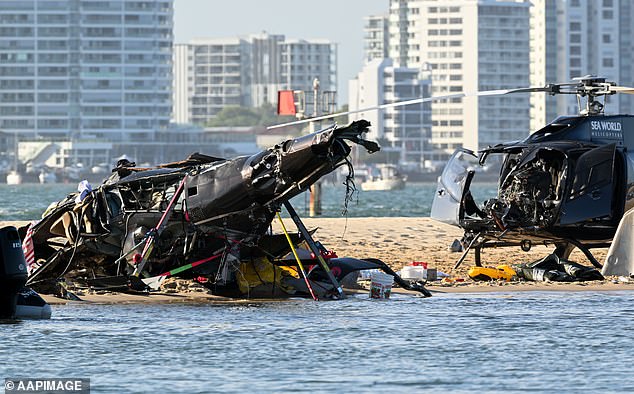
column 451, row 184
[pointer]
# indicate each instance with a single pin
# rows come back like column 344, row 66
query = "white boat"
column 47, row 177
column 388, row 178
column 14, row 178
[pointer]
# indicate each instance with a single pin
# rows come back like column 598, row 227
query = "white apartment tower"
column 543, row 61
column 217, row 77
column 403, row 130
column 573, row 38
column 266, row 62
column 85, row 69
column 304, row 60
column 403, row 21
column 375, row 37
column 469, row 46
column 212, row 74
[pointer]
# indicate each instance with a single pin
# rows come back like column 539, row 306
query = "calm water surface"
column 515, row 342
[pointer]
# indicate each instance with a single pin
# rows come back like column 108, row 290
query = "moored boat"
column 14, row 178
column 388, row 178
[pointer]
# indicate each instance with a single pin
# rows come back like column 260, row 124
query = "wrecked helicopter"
column 566, row 185
column 205, row 218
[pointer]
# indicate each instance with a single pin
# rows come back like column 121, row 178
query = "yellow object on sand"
column 504, row 272
column 261, row 272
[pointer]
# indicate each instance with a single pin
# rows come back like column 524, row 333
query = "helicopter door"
column 452, row 184
column 592, row 188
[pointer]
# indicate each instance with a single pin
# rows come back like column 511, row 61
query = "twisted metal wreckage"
column 204, row 218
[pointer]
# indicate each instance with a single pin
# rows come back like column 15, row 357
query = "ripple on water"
column 450, row 343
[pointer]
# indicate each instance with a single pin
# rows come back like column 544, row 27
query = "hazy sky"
column 340, row 21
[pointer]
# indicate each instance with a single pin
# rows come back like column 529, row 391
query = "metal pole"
column 315, row 190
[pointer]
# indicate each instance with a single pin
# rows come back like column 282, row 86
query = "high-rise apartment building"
column 573, row 38
column 217, row 77
column 404, row 130
column 212, row 74
column 469, row 46
column 266, row 61
column 375, row 37
column 303, row 61
column 72, row 69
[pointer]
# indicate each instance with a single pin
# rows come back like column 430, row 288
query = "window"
column 608, row 62
column 607, row 39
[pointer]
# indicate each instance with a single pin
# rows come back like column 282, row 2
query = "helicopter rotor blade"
column 484, row 93
column 622, row 89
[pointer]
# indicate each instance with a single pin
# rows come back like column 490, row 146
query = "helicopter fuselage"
column 567, row 184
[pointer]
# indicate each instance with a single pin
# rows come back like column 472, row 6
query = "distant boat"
column 47, row 177
column 14, row 178
column 388, row 178
column 100, row 169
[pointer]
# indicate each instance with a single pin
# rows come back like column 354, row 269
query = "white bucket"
column 381, row 285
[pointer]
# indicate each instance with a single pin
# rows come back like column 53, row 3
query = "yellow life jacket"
column 504, row 272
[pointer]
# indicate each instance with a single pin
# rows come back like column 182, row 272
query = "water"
column 26, row 202
column 29, row 201
column 504, row 342
column 511, row 342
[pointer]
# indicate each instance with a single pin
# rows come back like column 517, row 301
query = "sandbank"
column 399, row 241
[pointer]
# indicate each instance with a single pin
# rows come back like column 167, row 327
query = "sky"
column 340, row 21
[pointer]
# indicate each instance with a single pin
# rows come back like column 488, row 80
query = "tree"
column 249, row 117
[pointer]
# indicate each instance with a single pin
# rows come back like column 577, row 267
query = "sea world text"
column 606, row 130
column 605, row 125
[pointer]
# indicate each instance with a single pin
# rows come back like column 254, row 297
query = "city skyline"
column 196, row 19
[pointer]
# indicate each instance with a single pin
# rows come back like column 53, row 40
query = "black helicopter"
column 567, row 184
column 204, row 218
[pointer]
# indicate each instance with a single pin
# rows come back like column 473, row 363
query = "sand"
column 400, row 241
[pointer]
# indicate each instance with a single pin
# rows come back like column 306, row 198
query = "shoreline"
column 467, row 288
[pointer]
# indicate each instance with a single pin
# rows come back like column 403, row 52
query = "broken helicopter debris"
column 551, row 268
column 204, row 218
column 567, row 185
